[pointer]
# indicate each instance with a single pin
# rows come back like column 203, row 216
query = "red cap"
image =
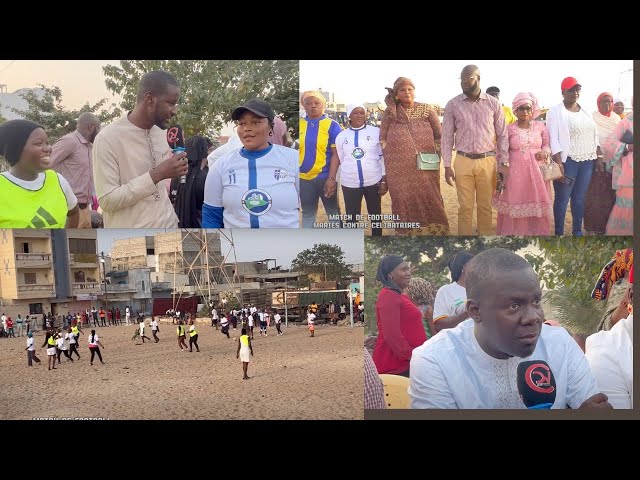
column 568, row 83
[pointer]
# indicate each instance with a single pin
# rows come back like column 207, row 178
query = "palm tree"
column 579, row 315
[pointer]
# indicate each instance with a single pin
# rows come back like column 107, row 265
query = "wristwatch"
column 505, row 164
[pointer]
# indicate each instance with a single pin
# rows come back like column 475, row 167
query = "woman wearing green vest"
column 181, row 336
column 31, row 195
column 50, row 343
column 193, row 336
column 245, row 352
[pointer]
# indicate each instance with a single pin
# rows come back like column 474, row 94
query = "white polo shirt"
column 256, row 191
column 360, row 154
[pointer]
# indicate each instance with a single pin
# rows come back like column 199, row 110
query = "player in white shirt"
column 361, row 166
column 449, row 306
column 277, row 319
column 311, row 317
column 475, row 365
column 258, row 185
column 31, row 350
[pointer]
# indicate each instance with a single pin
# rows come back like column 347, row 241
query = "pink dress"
column 525, row 206
column 621, row 217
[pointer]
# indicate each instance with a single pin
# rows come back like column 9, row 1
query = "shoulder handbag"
column 425, row 161
column 550, row 171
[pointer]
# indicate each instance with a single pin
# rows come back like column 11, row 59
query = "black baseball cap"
column 257, row 107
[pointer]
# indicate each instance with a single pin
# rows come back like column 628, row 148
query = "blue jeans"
column 310, row 192
column 581, row 173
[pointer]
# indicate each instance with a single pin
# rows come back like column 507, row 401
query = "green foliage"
column 569, row 267
column 428, row 256
column 579, row 315
column 56, row 119
column 324, row 259
column 211, row 89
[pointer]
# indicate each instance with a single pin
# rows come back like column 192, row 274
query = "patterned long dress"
column 415, row 194
column 525, row 206
column 621, row 217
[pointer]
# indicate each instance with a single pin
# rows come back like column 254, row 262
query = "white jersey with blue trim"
column 256, row 190
column 360, row 154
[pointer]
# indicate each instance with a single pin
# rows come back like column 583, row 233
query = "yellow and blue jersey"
column 316, row 139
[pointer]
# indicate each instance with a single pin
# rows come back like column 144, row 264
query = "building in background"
column 46, row 271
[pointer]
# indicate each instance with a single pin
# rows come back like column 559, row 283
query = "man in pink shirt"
column 71, row 158
column 476, row 121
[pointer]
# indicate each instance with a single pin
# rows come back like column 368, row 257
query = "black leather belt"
column 475, row 156
column 82, row 206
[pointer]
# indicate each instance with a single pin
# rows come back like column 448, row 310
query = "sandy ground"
column 293, row 376
column 450, row 205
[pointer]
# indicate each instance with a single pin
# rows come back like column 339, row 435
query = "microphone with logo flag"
column 175, row 138
column 536, row 384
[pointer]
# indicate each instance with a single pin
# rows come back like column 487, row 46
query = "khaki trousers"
column 475, row 183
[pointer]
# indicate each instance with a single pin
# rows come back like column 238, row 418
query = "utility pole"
column 104, row 277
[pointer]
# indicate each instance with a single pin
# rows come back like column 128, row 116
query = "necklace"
column 153, row 159
column 524, row 137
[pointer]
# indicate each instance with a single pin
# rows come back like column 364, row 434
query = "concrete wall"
column 141, row 279
column 15, row 307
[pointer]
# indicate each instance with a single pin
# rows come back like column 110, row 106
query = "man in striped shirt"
column 477, row 123
column 318, row 160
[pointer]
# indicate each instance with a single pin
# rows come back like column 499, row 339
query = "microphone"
column 536, row 384
column 175, row 138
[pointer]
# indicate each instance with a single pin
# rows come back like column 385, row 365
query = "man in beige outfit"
column 131, row 158
column 71, row 158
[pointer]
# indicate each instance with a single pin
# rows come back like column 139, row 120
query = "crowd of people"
column 132, row 174
column 494, row 155
column 483, row 341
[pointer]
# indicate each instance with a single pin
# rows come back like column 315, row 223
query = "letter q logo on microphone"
column 538, row 378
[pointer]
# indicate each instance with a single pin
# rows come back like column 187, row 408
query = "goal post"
column 346, row 290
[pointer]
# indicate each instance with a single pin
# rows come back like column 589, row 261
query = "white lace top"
column 581, row 133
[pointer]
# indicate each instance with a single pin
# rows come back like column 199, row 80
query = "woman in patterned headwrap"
column 612, row 286
column 524, row 206
column 409, row 127
column 422, row 294
column 601, row 196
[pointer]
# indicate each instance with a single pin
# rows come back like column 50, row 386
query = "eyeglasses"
column 524, row 108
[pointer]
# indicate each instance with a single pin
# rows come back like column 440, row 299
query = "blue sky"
column 283, row 245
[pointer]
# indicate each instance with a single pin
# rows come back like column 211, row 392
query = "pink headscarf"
column 600, row 97
column 527, row 98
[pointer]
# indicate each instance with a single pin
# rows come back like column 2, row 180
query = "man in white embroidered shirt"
column 132, row 159
column 475, row 365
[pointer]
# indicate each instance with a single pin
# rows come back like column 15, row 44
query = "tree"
column 211, row 89
column 429, row 257
column 569, row 268
column 324, row 259
column 57, row 121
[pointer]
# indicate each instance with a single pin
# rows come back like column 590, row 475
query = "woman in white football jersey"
column 256, row 186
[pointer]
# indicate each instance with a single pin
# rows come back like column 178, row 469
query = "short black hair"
column 493, row 89
column 155, row 82
column 482, row 270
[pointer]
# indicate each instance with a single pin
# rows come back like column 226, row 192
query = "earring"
column 271, row 134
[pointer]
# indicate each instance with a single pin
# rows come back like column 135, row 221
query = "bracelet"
column 331, row 178
column 383, row 182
